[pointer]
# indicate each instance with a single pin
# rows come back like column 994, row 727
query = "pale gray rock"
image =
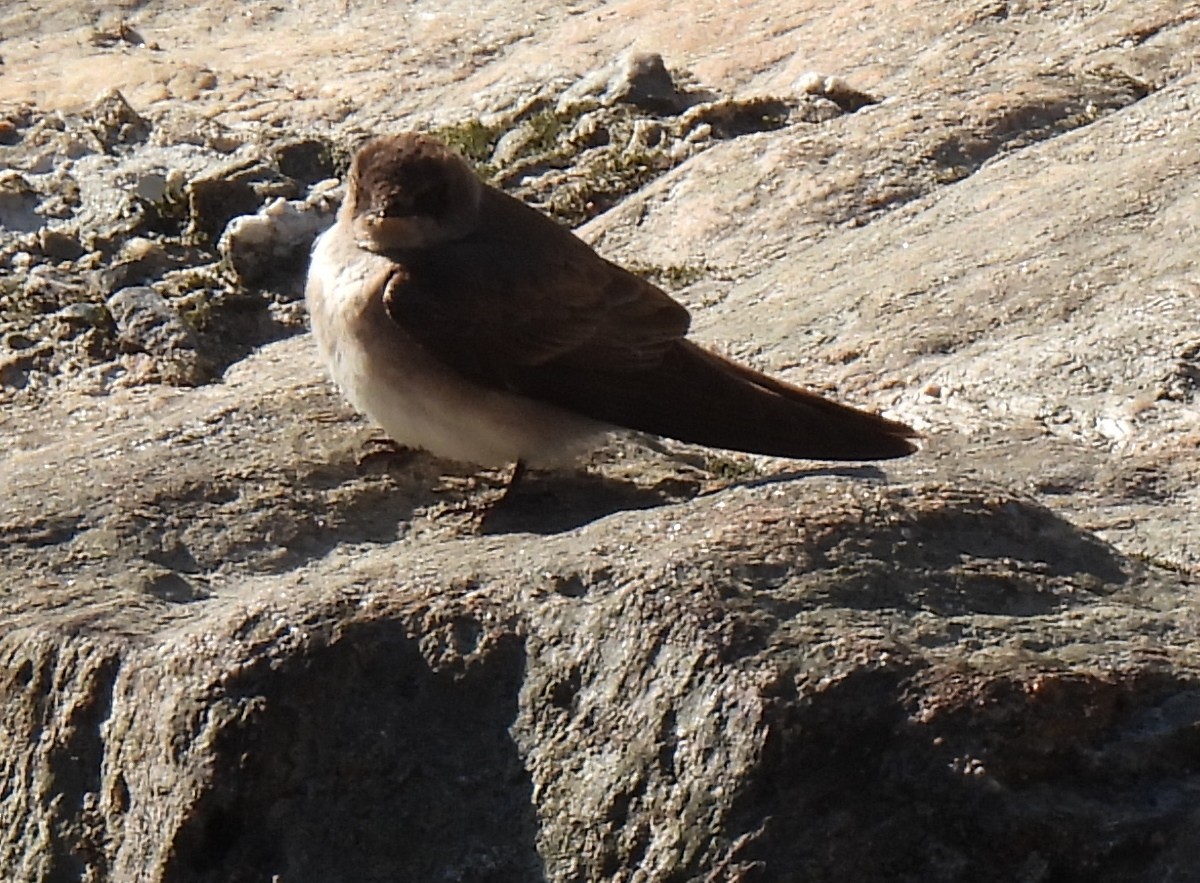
column 276, row 240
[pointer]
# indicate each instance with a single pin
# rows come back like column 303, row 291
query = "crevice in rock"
column 1056, row 107
column 357, row 760
column 73, row 768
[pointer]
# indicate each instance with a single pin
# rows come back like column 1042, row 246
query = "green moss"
column 673, row 276
column 729, row 467
column 575, row 172
column 545, row 129
column 474, row 140
column 608, row 178
column 950, row 174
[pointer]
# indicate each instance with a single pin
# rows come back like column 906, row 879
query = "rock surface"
column 231, row 652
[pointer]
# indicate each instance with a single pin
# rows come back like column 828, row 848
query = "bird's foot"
column 381, row 455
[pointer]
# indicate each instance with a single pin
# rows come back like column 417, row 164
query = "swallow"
column 467, row 323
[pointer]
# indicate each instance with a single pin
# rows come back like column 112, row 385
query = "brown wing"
column 524, row 306
column 522, row 295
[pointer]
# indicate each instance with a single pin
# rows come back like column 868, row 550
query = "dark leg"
column 518, row 473
column 486, row 519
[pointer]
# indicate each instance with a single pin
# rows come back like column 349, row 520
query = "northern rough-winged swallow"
column 468, row 324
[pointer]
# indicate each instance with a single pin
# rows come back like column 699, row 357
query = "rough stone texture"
column 147, row 323
column 229, row 652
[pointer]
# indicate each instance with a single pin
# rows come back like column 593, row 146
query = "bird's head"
column 410, row 191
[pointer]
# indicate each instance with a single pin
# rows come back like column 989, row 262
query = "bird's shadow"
column 550, row 503
column 863, row 473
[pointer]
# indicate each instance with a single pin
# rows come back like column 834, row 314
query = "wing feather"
column 484, row 308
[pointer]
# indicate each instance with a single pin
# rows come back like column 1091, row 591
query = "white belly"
column 415, row 399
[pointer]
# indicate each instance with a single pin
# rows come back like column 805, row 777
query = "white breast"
column 417, row 400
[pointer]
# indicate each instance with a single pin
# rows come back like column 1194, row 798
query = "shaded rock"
column 85, row 314
column 1019, row 117
column 9, row 133
column 139, row 261
column 807, row 671
column 306, row 160
column 731, row 118
column 114, row 123
column 214, row 201
column 836, row 89
column 636, row 79
column 765, row 679
column 276, row 240
column 123, row 33
column 25, row 356
column 15, row 340
column 13, row 122
column 645, row 82
column 236, row 188
column 18, row 203
column 171, row 586
column 59, row 244
column 147, row 323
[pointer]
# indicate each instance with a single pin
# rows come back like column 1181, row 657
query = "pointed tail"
column 696, row 396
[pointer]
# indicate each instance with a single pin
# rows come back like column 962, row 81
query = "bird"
column 469, row 324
